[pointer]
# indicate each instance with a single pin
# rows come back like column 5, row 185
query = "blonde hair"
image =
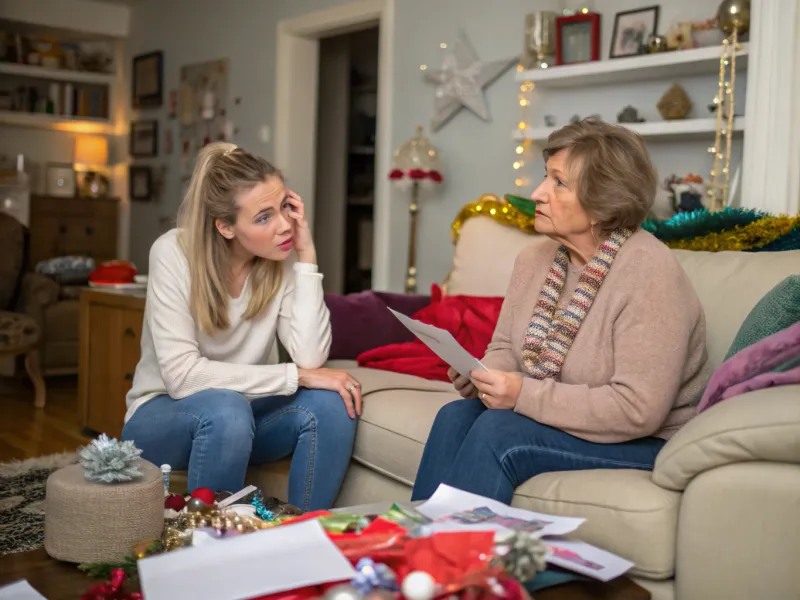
column 614, row 179
column 220, row 172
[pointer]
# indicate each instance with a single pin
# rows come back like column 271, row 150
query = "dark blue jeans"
column 216, row 434
column 492, row 452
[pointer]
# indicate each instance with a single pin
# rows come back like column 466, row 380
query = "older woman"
column 599, row 352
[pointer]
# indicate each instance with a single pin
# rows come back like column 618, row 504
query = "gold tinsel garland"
column 489, row 205
column 743, row 237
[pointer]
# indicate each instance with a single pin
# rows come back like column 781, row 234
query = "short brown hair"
column 611, row 169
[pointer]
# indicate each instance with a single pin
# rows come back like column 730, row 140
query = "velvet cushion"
column 777, row 310
column 361, row 322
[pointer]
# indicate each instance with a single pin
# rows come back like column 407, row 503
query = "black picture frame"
column 147, row 88
column 638, row 42
column 144, row 139
column 140, row 183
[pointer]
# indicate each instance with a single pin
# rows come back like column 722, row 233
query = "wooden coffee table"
column 57, row 580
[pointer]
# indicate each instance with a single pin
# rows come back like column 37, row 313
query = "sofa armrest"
column 759, row 426
column 36, row 294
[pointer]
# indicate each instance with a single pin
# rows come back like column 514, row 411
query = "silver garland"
column 109, row 460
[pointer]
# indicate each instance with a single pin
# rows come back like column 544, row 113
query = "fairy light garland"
column 720, row 171
column 522, row 146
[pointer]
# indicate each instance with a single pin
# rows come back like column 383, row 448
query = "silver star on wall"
column 461, row 81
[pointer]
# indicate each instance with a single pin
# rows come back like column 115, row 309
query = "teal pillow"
column 777, row 310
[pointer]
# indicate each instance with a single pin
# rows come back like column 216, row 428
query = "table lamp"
column 415, row 164
column 91, row 159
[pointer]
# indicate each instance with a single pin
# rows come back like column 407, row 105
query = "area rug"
column 22, row 506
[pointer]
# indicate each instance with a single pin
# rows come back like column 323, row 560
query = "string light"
column 718, row 190
column 523, row 147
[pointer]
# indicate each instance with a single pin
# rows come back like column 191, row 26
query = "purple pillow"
column 361, row 322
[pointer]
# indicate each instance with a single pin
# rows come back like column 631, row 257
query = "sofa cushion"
column 625, row 512
column 777, row 310
column 396, row 419
column 729, row 284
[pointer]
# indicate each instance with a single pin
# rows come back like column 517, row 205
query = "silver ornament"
column 195, row 505
column 344, row 591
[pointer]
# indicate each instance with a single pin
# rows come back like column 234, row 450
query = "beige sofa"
column 720, row 515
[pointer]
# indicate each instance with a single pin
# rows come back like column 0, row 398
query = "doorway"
column 304, row 74
column 347, row 108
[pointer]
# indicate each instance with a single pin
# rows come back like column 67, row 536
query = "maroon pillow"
column 361, row 322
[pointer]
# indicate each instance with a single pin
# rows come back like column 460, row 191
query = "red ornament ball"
column 205, row 494
column 175, row 501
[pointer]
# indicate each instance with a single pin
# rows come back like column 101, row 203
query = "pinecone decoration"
column 109, row 460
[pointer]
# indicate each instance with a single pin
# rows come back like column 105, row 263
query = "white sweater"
column 180, row 360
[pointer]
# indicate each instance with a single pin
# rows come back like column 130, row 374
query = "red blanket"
column 470, row 319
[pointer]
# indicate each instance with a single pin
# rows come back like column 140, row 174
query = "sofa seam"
column 589, row 504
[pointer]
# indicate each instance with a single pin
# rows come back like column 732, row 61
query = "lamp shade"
column 416, row 160
column 91, row 151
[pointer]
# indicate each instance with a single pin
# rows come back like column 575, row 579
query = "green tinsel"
column 524, row 205
column 790, row 241
column 102, row 570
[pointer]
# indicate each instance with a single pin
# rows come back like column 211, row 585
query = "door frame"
column 296, row 80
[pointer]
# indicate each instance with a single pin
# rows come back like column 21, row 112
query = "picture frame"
column 140, row 183
column 147, row 88
column 144, row 139
column 578, row 38
column 632, row 28
column 61, row 181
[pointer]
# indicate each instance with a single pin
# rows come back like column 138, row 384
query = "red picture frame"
column 593, row 21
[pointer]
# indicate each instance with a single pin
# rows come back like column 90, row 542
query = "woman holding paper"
column 599, row 354
column 237, row 275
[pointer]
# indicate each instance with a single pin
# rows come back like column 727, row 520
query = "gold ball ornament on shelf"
column 734, row 15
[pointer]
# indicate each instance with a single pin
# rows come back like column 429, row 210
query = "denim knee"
column 227, row 414
column 327, row 408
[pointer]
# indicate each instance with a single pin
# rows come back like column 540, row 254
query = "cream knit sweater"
column 179, row 360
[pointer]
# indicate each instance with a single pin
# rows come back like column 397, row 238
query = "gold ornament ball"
column 140, row 548
column 195, row 505
column 734, row 14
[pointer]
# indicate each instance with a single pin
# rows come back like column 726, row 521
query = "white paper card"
column 442, row 343
column 586, row 559
column 455, row 510
column 20, row 590
column 255, row 564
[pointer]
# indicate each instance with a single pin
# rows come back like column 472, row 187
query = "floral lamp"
column 415, row 164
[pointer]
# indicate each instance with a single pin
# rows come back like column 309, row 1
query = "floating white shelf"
column 56, row 74
column 683, row 129
column 662, row 65
column 56, row 122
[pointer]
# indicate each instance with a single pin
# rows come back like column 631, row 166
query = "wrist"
column 309, row 257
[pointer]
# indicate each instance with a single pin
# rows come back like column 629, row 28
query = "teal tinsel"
column 261, row 510
column 525, row 205
column 687, row 226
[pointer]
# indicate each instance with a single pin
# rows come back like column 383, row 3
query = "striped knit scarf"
column 551, row 331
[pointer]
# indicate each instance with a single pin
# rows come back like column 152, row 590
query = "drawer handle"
column 129, row 376
column 129, row 332
column 62, row 229
column 89, row 230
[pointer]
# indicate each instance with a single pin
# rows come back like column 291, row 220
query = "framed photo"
column 140, row 183
column 631, row 30
column 148, row 80
column 144, row 139
column 61, row 180
column 578, row 38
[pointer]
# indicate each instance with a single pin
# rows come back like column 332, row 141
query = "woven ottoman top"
column 18, row 333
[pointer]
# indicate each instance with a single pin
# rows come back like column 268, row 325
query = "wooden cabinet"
column 73, row 226
column 110, row 338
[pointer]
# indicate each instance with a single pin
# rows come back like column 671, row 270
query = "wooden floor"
column 27, row 432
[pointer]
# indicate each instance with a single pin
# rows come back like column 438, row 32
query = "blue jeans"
column 492, row 452
column 216, row 434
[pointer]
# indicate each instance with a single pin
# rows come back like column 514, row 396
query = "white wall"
column 476, row 155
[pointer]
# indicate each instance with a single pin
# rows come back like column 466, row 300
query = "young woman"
column 238, row 274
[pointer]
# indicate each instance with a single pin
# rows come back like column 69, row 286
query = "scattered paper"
column 247, row 566
column 586, row 559
column 442, row 343
column 20, row 590
column 452, row 509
